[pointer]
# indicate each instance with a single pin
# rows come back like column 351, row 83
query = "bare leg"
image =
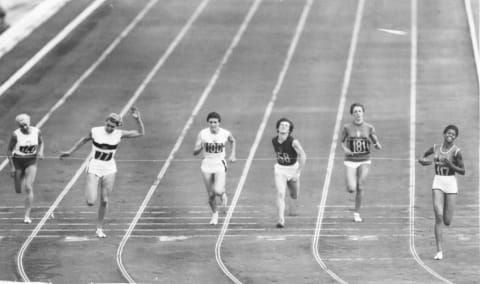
column 280, row 184
column 105, row 191
column 438, row 203
column 362, row 176
column 91, row 189
column 294, row 188
column 30, row 173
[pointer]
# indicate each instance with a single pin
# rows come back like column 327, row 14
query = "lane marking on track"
column 475, row 48
column 413, row 121
column 173, row 238
column 28, row 23
column 20, row 267
column 185, row 129
column 395, row 32
column 258, row 137
column 333, row 146
column 50, row 45
column 70, row 239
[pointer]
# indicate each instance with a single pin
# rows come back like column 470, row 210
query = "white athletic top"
column 27, row 144
column 104, row 145
column 214, row 143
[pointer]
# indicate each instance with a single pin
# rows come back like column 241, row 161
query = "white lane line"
column 333, row 146
column 390, row 31
column 28, row 23
column 87, row 72
column 475, row 47
column 258, row 137
column 20, row 267
column 49, row 46
column 180, row 139
column 177, row 145
column 413, row 121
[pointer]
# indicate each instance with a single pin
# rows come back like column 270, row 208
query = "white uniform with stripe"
column 214, row 150
column 104, row 146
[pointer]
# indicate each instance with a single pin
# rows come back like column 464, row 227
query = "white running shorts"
column 351, row 164
column 288, row 172
column 213, row 166
column 447, row 184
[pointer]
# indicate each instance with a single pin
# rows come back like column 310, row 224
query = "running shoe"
column 100, row 234
column 27, row 220
column 214, row 220
column 438, row 256
column 280, row 225
column 356, row 217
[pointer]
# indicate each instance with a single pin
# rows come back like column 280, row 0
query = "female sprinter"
column 25, row 147
column 212, row 141
column 102, row 168
column 287, row 169
column 357, row 138
column 448, row 160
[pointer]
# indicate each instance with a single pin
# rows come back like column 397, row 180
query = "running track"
column 254, row 61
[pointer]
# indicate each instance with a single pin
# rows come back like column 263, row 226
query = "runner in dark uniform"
column 448, row 161
column 291, row 159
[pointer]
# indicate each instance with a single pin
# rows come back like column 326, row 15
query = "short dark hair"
column 286, row 120
column 355, row 105
column 214, row 115
column 453, row 127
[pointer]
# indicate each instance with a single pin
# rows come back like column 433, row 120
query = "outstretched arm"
column 76, row 146
column 140, row 131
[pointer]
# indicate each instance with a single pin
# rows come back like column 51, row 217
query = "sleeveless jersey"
column 440, row 168
column 27, row 144
column 104, row 145
column 214, row 143
column 358, row 139
column 286, row 154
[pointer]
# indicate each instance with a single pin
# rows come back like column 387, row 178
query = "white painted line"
column 333, row 146
column 20, row 267
column 395, row 32
column 271, row 238
column 413, row 122
column 363, row 237
column 49, row 46
column 69, row 239
column 179, row 141
column 258, row 137
column 476, row 55
column 172, row 238
column 28, row 23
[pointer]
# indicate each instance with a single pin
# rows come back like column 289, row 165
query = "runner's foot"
column 27, row 220
column 214, row 220
column 356, row 217
column 438, row 256
column 100, row 234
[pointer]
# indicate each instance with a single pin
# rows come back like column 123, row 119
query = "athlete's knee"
column 439, row 219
